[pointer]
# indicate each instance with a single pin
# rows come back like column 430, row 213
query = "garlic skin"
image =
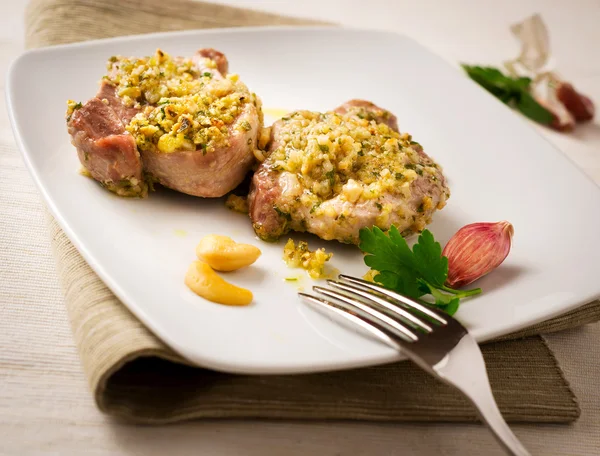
column 545, row 93
column 476, row 250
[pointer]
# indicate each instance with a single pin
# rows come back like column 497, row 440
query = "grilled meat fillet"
column 184, row 123
column 333, row 173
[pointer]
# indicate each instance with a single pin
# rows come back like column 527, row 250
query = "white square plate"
column 498, row 169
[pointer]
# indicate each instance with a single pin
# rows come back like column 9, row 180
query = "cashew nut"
column 224, row 254
column 205, row 282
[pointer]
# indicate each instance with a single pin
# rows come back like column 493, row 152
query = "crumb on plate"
column 299, row 256
column 237, row 203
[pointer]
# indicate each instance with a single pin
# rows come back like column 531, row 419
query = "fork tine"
column 369, row 313
column 427, row 310
column 392, row 308
column 371, row 326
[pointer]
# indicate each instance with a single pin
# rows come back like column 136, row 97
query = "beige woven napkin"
column 133, row 375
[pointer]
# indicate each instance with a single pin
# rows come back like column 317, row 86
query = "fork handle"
column 464, row 368
column 488, row 410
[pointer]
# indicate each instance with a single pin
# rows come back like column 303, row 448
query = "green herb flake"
column 283, row 214
column 324, row 147
column 330, row 175
column 207, row 74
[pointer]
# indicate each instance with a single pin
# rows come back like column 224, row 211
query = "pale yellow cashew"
column 205, row 282
column 224, row 254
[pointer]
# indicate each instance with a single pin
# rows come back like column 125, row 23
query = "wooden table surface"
column 45, row 405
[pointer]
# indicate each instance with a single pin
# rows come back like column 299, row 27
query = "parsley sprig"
column 419, row 273
column 514, row 92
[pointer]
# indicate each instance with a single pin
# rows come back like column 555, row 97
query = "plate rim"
column 138, row 311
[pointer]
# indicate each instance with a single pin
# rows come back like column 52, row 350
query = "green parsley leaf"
column 414, row 273
column 451, row 307
column 432, row 266
column 407, row 282
column 386, row 253
column 514, row 92
column 532, row 109
column 523, row 83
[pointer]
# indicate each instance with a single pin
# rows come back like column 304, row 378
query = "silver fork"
column 433, row 340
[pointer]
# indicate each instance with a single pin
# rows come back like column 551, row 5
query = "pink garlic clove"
column 476, row 250
column 580, row 106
